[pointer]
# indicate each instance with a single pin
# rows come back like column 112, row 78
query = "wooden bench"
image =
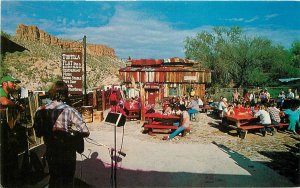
column 243, row 129
column 281, row 125
column 150, row 127
column 207, row 109
column 133, row 114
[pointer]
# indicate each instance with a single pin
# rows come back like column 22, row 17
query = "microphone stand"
column 113, row 156
column 114, row 159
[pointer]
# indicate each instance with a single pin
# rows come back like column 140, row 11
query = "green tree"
column 295, row 50
column 231, row 55
column 210, row 49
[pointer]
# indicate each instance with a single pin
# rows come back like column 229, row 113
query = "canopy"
column 288, row 79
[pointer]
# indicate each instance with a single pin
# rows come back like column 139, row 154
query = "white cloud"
column 252, row 19
column 245, row 20
column 235, row 19
column 132, row 33
column 268, row 17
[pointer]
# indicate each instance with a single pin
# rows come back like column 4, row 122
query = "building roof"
column 288, row 79
column 161, row 69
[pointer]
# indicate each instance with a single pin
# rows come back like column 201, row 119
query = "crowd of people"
column 266, row 110
column 171, row 105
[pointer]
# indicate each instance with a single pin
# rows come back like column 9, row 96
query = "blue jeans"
column 292, row 125
column 176, row 132
column 192, row 111
column 266, row 128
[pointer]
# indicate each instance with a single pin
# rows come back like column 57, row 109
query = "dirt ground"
column 279, row 152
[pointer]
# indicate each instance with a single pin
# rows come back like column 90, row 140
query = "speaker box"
column 117, row 119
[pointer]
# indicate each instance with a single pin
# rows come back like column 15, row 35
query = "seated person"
column 120, row 109
column 256, row 108
column 265, row 120
column 230, row 111
column 247, row 107
column 200, row 102
column 222, row 107
column 135, row 103
column 274, row 114
column 167, row 110
column 184, row 124
column 239, row 109
column 178, row 112
column 131, row 103
column 193, row 107
column 149, row 109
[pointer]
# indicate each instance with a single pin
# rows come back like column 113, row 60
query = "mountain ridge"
column 40, row 65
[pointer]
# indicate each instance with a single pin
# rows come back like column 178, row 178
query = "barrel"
column 87, row 113
column 98, row 116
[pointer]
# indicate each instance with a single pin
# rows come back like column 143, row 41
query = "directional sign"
column 72, row 71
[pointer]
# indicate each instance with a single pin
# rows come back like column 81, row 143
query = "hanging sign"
column 72, row 71
column 190, row 78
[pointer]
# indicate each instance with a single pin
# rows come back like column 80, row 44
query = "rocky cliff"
column 38, row 63
column 33, row 33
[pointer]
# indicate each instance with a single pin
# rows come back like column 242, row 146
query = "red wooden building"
column 165, row 78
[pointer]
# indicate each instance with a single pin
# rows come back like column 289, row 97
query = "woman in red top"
column 113, row 101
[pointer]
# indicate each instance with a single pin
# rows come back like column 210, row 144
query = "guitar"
column 77, row 140
column 13, row 114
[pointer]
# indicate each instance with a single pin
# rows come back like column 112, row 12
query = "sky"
column 153, row 29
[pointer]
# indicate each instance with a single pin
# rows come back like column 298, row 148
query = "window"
column 173, row 91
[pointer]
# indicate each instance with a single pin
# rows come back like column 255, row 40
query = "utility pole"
column 84, row 71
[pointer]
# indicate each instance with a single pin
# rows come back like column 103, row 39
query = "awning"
column 288, row 79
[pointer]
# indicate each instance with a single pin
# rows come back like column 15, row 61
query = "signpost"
column 72, row 71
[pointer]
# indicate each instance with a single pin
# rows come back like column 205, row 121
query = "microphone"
column 122, row 153
column 119, row 152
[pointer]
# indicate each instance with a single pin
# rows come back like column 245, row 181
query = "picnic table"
column 152, row 116
column 245, row 122
column 133, row 111
column 241, row 119
column 207, row 108
column 160, row 121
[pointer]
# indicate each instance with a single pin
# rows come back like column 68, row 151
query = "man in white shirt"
column 265, row 120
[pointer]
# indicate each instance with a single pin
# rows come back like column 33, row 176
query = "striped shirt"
column 68, row 116
column 274, row 113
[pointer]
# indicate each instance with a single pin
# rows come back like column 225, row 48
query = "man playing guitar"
column 52, row 121
column 9, row 141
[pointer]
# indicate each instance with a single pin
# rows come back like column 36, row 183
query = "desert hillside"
column 40, row 63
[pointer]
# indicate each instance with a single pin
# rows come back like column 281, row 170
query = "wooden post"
column 94, row 98
column 103, row 101
column 84, row 71
column 142, row 95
